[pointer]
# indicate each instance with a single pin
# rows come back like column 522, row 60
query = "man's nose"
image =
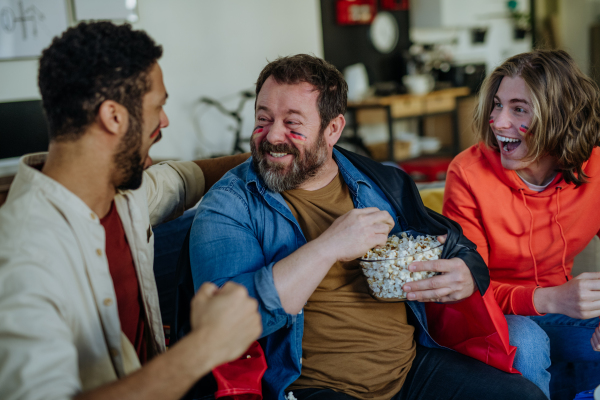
column 277, row 133
column 164, row 120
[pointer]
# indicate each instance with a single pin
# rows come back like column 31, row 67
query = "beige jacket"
column 59, row 325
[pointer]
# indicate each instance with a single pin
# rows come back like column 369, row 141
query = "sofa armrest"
column 589, row 259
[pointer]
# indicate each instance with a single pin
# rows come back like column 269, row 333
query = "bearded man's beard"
column 279, row 177
column 128, row 159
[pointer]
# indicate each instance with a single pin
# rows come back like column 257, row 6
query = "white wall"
column 575, row 17
column 18, row 80
column 211, row 48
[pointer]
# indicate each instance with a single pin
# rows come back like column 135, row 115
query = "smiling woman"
column 510, row 119
column 519, row 196
column 545, row 94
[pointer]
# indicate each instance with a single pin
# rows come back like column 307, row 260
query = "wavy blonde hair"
column 566, row 109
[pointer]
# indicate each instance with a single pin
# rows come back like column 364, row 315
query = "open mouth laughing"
column 277, row 151
column 508, row 144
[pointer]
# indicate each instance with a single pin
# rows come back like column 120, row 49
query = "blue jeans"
column 556, row 339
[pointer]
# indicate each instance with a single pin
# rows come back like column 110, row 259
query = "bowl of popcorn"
column 386, row 268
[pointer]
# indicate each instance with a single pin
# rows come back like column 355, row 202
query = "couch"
column 169, row 237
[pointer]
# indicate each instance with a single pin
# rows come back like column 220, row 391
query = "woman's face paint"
column 491, row 121
column 524, row 128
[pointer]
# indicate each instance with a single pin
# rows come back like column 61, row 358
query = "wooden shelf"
column 386, row 109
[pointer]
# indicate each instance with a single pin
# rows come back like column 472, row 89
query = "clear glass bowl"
column 386, row 276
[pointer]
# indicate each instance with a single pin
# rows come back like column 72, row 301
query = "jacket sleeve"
column 171, row 188
column 461, row 205
column 39, row 358
column 224, row 246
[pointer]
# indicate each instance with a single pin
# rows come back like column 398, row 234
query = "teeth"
column 506, row 140
column 277, row 155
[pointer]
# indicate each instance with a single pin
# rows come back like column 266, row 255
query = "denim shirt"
column 242, row 229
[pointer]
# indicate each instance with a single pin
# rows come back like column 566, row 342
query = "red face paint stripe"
column 296, row 136
column 491, row 121
column 524, row 130
column 259, row 130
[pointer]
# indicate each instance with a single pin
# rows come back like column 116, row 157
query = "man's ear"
column 334, row 130
column 113, row 117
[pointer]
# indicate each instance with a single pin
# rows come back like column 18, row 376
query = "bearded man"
column 79, row 309
column 289, row 224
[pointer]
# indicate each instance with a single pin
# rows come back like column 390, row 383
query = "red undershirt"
column 125, row 281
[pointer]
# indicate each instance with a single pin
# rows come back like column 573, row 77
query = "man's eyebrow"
column 289, row 112
column 263, row 108
column 164, row 101
column 298, row 112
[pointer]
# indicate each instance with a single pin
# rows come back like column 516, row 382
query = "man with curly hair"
column 79, row 311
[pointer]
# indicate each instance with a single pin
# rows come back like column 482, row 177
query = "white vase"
column 418, row 84
column 357, row 80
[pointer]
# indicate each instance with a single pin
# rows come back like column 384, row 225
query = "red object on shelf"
column 427, row 169
column 355, row 12
column 394, row 5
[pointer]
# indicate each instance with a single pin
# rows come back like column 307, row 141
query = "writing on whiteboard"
column 27, row 17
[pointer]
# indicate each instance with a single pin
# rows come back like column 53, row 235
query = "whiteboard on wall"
column 28, row 26
column 105, row 10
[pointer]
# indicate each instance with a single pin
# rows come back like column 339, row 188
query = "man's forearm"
column 215, row 168
column 168, row 376
column 298, row 275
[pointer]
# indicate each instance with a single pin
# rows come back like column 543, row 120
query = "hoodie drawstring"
column 562, row 234
column 564, row 255
column 537, row 283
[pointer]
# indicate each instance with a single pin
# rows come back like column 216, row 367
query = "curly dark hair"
column 332, row 87
column 91, row 63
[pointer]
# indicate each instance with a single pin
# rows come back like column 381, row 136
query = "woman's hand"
column 579, row 298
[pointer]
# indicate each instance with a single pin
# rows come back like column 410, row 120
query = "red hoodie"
column 528, row 239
